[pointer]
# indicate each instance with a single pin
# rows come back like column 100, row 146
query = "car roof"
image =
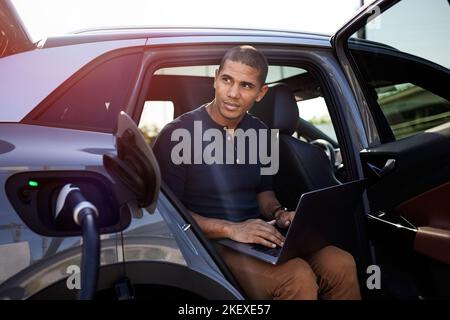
column 121, row 33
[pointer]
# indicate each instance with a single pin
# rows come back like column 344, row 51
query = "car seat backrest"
column 278, row 109
column 302, row 167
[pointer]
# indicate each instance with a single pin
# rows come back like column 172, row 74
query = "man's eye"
column 226, row 79
column 247, row 86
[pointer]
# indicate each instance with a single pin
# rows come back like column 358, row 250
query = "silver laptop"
column 323, row 217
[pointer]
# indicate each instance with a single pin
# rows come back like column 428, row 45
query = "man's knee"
column 332, row 262
column 336, row 269
column 298, row 281
column 341, row 260
column 301, row 271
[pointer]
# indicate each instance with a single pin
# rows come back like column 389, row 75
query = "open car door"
column 13, row 35
column 396, row 56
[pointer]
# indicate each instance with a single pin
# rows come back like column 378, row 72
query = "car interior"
column 308, row 156
column 310, row 159
column 309, row 163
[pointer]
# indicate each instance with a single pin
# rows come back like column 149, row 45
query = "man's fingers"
column 261, row 239
column 265, row 242
column 285, row 219
column 271, row 230
column 267, row 230
column 272, row 238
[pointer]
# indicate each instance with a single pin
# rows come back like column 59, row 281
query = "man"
column 233, row 200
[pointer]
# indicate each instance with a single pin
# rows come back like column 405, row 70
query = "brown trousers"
column 330, row 273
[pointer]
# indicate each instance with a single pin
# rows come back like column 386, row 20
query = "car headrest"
column 278, row 109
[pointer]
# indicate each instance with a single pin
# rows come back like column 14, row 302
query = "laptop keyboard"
column 274, row 252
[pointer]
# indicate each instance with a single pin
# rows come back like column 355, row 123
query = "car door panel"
column 430, row 208
column 422, row 162
column 433, row 242
column 401, row 83
column 417, row 188
column 430, row 211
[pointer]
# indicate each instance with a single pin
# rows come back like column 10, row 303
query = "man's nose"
column 233, row 91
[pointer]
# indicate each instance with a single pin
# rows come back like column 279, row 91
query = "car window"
column 275, row 73
column 415, row 27
column 403, row 58
column 195, row 86
column 409, row 108
column 315, row 111
column 154, row 116
column 94, row 101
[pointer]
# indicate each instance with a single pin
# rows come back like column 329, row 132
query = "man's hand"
column 284, row 218
column 256, row 231
column 267, row 203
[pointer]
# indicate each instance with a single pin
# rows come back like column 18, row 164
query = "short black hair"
column 249, row 56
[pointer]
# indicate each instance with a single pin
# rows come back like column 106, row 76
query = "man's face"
column 237, row 88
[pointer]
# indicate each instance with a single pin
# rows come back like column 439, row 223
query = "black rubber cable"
column 90, row 254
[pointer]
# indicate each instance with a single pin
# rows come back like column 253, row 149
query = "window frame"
column 319, row 60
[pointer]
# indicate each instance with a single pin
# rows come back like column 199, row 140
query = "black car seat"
column 302, row 167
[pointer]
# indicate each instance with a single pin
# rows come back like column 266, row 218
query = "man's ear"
column 262, row 92
column 215, row 77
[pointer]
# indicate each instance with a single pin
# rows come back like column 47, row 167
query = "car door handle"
column 388, row 167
